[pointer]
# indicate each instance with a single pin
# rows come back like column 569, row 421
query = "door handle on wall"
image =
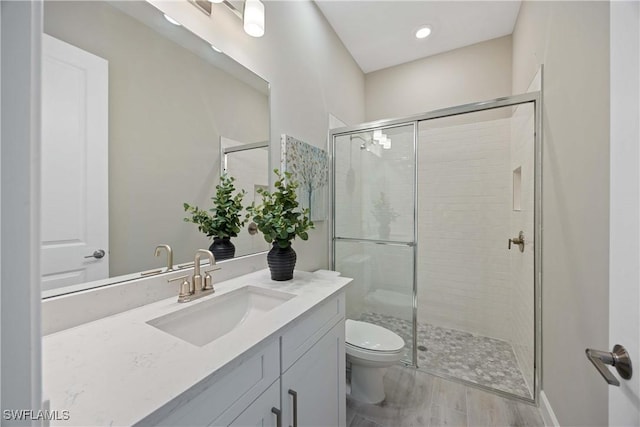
column 618, row 358
column 518, row 241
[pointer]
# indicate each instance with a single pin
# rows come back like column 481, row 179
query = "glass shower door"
column 374, row 226
column 476, row 282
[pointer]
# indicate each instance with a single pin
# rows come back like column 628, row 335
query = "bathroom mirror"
column 244, row 162
column 170, row 99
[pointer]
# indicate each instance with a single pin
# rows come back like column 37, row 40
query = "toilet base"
column 367, row 384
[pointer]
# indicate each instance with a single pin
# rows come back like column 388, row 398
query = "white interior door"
column 75, row 221
column 624, row 252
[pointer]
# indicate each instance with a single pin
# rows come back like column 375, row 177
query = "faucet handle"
column 208, row 280
column 185, row 287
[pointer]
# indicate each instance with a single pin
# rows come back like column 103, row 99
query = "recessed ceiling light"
column 170, row 19
column 423, row 32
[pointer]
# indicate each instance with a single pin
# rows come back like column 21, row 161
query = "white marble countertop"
column 119, row 369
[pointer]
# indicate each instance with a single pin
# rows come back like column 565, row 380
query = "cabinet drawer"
column 227, row 396
column 310, row 328
column 263, row 412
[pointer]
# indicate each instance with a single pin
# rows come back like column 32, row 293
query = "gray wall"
column 311, row 75
column 473, row 73
column 571, row 39
column 167, row 110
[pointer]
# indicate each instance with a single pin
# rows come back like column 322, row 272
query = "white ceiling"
column 381, row 34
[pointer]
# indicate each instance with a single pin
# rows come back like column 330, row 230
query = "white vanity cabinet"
column 313, row 390
column 294, row 379
column 126, row 370
column 222, row 399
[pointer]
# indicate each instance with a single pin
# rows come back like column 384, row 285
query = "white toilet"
column 371, row 349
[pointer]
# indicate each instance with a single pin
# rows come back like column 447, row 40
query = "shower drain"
column 422, row 348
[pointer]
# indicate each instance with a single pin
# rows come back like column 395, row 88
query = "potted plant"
column 383, row 212
column 280, row 220
column 225, row 220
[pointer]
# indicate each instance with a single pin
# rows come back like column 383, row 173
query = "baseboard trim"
column 548, row 416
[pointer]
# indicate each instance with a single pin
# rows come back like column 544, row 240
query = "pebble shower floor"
column 482, row 360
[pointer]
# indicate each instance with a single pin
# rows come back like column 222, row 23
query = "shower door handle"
column 618, row 358
column 518, row 241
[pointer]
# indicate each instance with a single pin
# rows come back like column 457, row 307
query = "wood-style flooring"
column 417, row 399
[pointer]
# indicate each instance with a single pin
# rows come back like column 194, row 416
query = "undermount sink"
column 206, row 321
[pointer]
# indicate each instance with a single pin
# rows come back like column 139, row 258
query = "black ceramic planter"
column 222, row 249
column 281, row 262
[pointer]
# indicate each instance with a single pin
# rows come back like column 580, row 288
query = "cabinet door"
column 313, row 388
column 264, row 411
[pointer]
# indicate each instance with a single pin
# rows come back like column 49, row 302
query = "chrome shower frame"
column 509, row 101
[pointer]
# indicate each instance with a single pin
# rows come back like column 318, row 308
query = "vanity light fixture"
column 253, row 18
column 216, row 1
column 170, row 19
column 423, row 32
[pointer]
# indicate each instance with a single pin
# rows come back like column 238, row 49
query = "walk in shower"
column 437, row 219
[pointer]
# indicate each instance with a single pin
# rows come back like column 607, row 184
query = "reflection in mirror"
column 133, row 111
column 246, row 162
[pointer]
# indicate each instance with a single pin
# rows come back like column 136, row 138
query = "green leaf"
column 225, row 219
column 278, row 216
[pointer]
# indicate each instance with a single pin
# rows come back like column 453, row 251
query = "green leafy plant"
column 279, row 216
column 226, row 219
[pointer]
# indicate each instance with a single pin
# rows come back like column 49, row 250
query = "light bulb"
column 423, row 32
column 254, row 18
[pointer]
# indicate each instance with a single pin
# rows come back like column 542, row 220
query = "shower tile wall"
column 464, row 203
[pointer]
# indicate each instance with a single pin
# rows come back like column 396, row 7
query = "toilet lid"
column 371, row 337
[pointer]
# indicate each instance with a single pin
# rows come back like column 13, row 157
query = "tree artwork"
column 309, row 166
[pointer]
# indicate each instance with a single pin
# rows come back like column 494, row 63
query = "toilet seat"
column 371, row 339
column 373, row 358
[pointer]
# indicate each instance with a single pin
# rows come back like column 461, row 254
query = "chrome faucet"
column 169, row 255
column 196, row 279
column 199, row 286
